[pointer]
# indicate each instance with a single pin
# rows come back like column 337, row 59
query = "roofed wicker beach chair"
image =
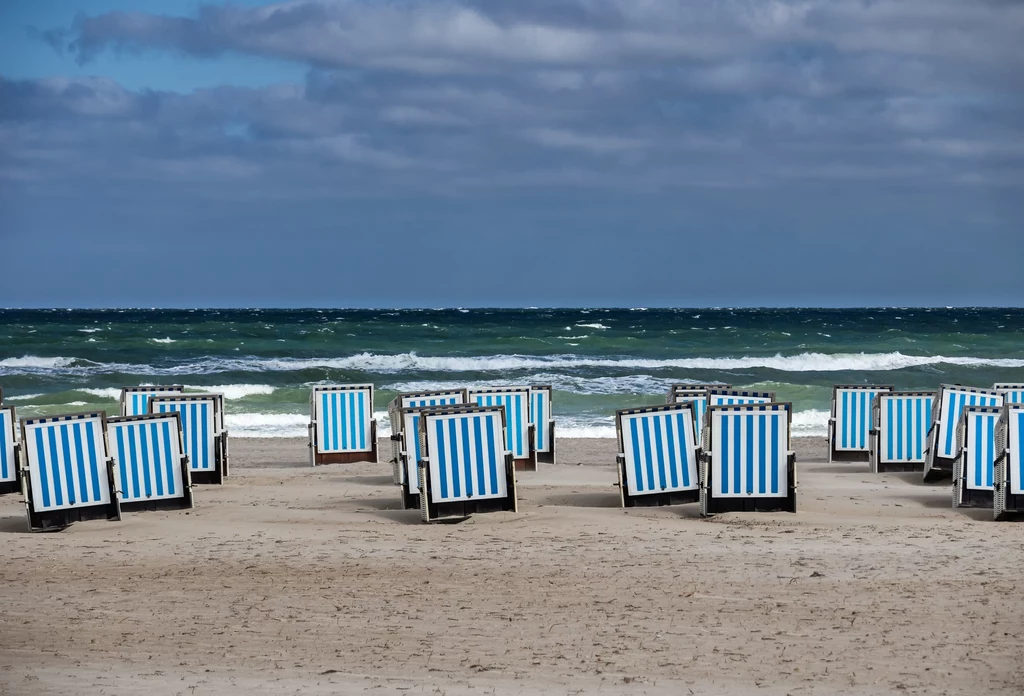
column 849, row 424
column 976, row 443
column 543, row 423
column 67, row 475
column 946, row 409
column 899, row 432
column 135, row 400
column 342, row 429
column 658, row 455
column 204, row 439
column 748, row 464
column 720, row 396
column 150, row 463
column 465, row 466
column 403, row 440
column 518, row 421
column 10, row 451
column 699, row 399
column 1013, row 392
column 1008, row 469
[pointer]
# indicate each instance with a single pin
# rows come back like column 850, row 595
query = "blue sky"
column 514, row 153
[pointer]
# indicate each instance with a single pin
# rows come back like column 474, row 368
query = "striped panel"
column 853, row 419
column 736, row 400
column 700, row 406
column 8, row 465
column 517, row 418
column 979, row 450
column 466, row 456
column 427, row 399
column 411, row 438
column 344, row 416
column 903, row 427
column 197, row 430
column 749, row 452
column 136, row 403
column 540, row 414
column 1015, row 451
column 148, row 458
column 660, row 451
column 953, row 402
column 1012, row 393
column 67, row 464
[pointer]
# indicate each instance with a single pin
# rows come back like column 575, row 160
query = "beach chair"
column 135, row 400
column 1013, row 392
column 748, row 464
column 720, row 396
column 205, row 442
column 543, row 423
column 401, row 440
column 150, row 463
column 682, row 387
column 465, row 467
column 946, row 410
column 342, row 429
column 67, row 476
column 899, row 431
column 518, row 421
column 850, row 421
column 10, row 451
column 1008, row 469
column 658, row 455
column 976, row 443
column 699, row 399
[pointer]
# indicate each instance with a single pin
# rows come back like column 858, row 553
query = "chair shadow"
column 584, row 500
column 977, row 514
column 375, row 481
column 916, row 478
column 14, row 525
column 845, row 468
column 388, row 503
column 409, row 517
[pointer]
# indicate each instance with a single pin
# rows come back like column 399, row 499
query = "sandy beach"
column 296, row 580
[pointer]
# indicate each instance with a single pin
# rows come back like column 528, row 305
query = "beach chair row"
column 79, row 466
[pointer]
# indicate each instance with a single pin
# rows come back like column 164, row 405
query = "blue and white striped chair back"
column 699, row 399
column 1013, row 392
column 199, row 431
column 540, row 417
column 147, row 453
column 749, row 450
column 516, row 401
column 448, row 397
column 976, row 435
column 344, row 415
column 659, row 448
column 736, row 397
column 851, row 416
column 8, row 445
column 465, row 453
column 903, row 419
column 685, row 387
column 1014, row 447
column 950, row 405
column 135, row 400
column 66, row 457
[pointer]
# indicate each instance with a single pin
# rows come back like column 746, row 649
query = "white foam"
column 32, row 361
column 163, row 340
column 810, row 423
column 105, row 393
column 90, row 330
column 23, row 397
column 285, row 424
column 593, row 326
column 235, row 391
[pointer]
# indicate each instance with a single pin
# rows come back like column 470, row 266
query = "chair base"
column 549, row 456
column 882, row 467
column 210, row 477
column 964, row 497
column 434, row 512
column 345, row 457
column 938, row 469
column 660, row 499
column 1008, row 507
column 849, row 456
column 58, row 520
column 10, row 487
column 184, row 502
column 527, row 464
column 710, row 505
column 410, row 501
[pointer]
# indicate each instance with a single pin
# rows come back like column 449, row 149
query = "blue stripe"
column 662, row 479
column 362, row 419
column 846, row 414
column 649, row 457
column 134, row 461
column 737, row 453
column 44, row 478
column 888, row 428
column 203, row 408
column 750, row 453
column 121, row 457
column 725, row 455
column 637, row 471
column 478, row 435
column 58, row 492
column 93, row 463
column 763, row 458
column 3, row 446
column 68, row 472
column 493, row 450
column 467, row 463
column 454, row 446
column 442, row 460
column 670, row 436
column 990, row 437
column 144, row 441
column 775, row 454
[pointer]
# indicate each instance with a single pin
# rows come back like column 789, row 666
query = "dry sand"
column 290, row 580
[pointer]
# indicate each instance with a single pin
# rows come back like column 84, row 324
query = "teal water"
column 598, row 360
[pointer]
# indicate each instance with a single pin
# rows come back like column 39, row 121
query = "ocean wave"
column 412, row 362
column 103, row 393
column 235, row 391
column 810, row 423
column 23, row 397
column 278, row 425
column 626, row 384
column 593, row 326
column 163, row 340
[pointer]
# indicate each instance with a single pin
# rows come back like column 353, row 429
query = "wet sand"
column 289, row 579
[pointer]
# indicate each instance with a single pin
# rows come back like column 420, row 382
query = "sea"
column 598, row 360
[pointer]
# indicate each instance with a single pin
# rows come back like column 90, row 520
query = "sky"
column 411, row 153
